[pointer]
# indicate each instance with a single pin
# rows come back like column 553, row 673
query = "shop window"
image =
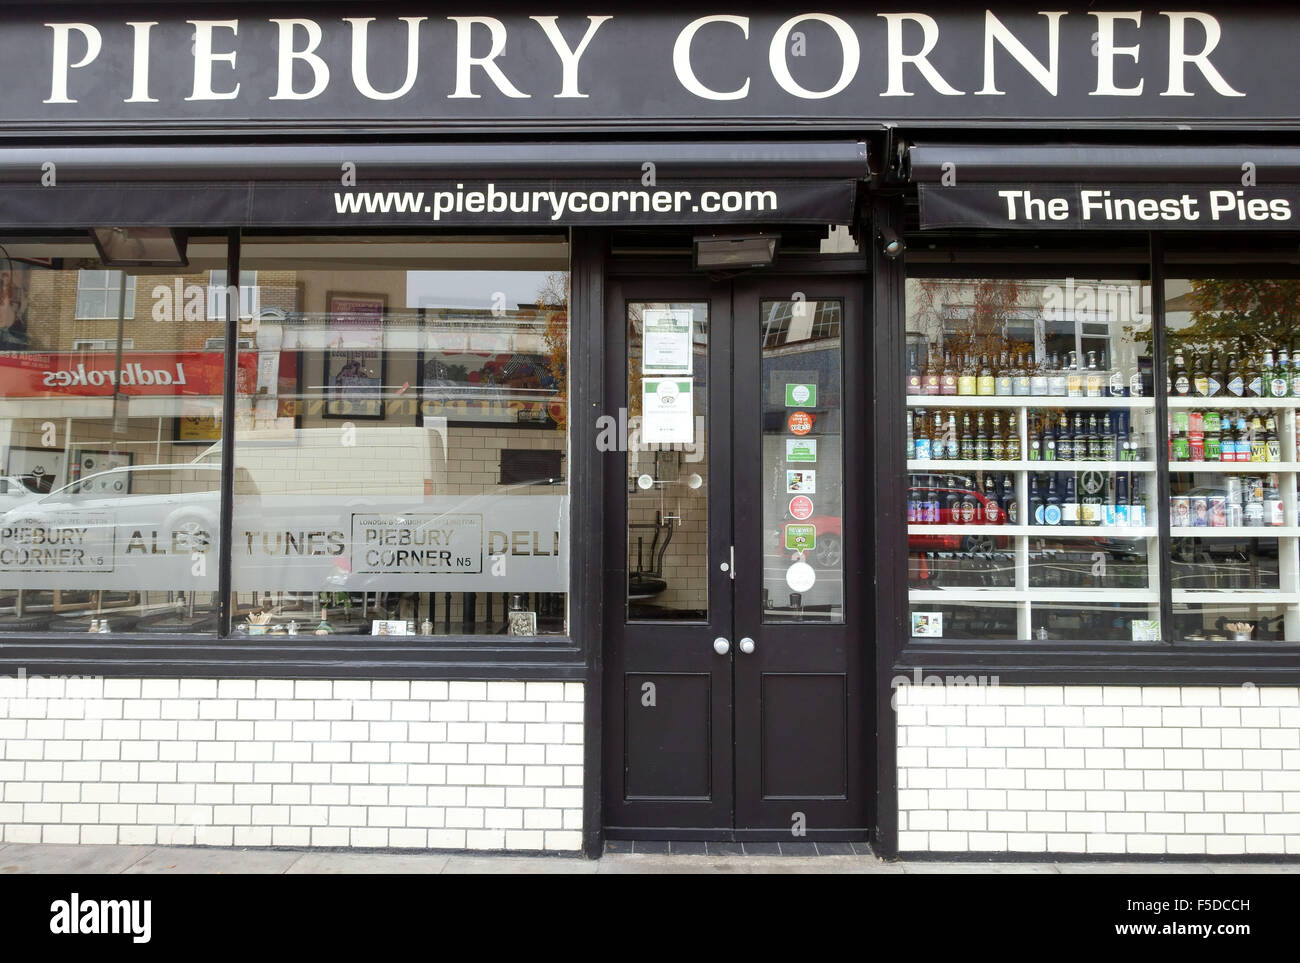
column 1234, row 387
column 1031, row 460
column 402, row 454
column 105, row 523
column 104, row 295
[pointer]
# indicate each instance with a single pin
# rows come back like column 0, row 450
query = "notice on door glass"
column 800, row 538
column 800, row 396
column 667, row 411
column 666, row 342
column 801, row 449
column 800, row 482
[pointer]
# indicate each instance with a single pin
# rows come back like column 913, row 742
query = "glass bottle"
column 1280, row 384
column 1064, row 439
column 966, row 380
column 930, row 379
column 1036, row 503
column 913, row 372
column 1218, row 379
column 1013, row 450
column 981, row 438
column 997, row 440
column 1182, row 383
column 1272, row 444
column 987, row 383
column 1069, row 501
column 1236, row 378
column 1038, row 376
column 948, row 376
column 1056, row 378
column 1021, row 382
column 922, row 436
column 1254, row 378
column 938, row 445
column 1200, row 377
column 1004, row 380
column 1074, row 377
column 992, row 508
column 967, row 439
column 1052, row 503
column 1114, row 379
column 1295, row 372
column 1095, row 379
column 950, row 450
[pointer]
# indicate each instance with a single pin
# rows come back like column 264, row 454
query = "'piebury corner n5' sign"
column 405, row 66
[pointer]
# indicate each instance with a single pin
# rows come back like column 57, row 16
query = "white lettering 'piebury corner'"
column 1024, row 55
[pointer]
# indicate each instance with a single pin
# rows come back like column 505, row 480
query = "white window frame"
column 109, row 314
column 102, row 344
column 250, row 295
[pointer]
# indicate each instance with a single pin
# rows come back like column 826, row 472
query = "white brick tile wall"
column 1098, row 769
column 268, row 762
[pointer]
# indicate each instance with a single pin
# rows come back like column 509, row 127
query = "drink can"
column 1232, row 489
column 1180, row 509
column 1218, row 506
column 1235, row 517
column 1200, row 512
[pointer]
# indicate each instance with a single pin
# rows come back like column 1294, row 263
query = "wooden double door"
column 735, row 638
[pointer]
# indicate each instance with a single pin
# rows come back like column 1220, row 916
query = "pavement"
column 185, row 860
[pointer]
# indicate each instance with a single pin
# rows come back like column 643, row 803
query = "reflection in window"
column 405, row 448
column 105, row 522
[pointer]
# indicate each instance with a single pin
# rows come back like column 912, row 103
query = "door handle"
column 747, row 645
column 721, row 646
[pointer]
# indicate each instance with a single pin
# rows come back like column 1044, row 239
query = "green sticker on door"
column 800, row 538
column 800, row 396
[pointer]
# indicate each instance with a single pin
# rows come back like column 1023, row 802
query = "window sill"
column 290, row 657
column 1113, row 663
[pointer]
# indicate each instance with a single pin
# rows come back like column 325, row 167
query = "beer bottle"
column 981, row 438
column 1218, row 377
column 913, row 373
column 1003, row 380
column 922, row 438
column 1036, row 503
column 1074, row 378
column 1052, row 504
column 1056, row 378
column 1094, row 382
column 1254, row 378
column 938, row 445
column 1200, row 378
column 1010, row 509
column 987, row 384
column 930, row 380
column 997, row 440
column 1020, row 384
column 1182, row 385
column 1236, row 378
column 992, row 509
column 1038, row 376
column 1280, row 383
column 948, row 376
column 966, row 380
column 950, row 437
column 1013, row 438
column 967, row 438
column 1069, row 501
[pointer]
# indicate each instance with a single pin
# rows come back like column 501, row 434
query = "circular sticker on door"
column 800, row 422
column 801, row 507
column 800, row 577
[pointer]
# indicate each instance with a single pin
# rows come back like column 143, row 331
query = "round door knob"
column 747, row 646
column 721, row 646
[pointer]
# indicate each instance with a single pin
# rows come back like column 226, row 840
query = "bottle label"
column 985, row 385
column 966, row 385
column 1038, row 385
column 1002, row 385
column 967, row 512
column 1021, row 385
column 1135, row 385
column 1277, row 387
column 1295, row 384
column 1213, row 449
column 1274, row 449
column 1213, row 387
column 1012, row 512
column 948, row 385
column 1035, row 451
column 1256, row 386
column 1182, row 385
column 922, row 449
column 1182, row 449
column 1236, row 386
column 1052, row 515
column 930, row 385
column 913, row 384
column 1069, row 513
column 1074, row 385
column 1202, row 385
column 1095, row 384
column 1116, row 384
column 992, row 513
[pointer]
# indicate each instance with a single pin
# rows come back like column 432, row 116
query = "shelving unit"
column 1024, row 539
column 1287, row 470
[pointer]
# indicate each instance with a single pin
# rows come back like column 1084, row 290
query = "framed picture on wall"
column 196, row 425
column 41, row 469
column 90, row 461
column 354, row 384
column 356, row 320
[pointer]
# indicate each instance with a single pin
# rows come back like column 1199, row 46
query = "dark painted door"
column 734, row 700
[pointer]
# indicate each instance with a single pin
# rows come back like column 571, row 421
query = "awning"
column 1106, row 187
column 411, row 185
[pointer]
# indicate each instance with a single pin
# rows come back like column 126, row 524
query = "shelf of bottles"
column 1233, row 511
column 1031, row 495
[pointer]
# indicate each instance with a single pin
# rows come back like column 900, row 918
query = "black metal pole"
column 1160, row 436
column 225, row 607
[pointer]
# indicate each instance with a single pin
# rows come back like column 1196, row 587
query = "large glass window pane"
column 667, row 461
column 403, row 448
column 1234, row 384
column 1031, row 472
column 106, row 521
column 803, row 461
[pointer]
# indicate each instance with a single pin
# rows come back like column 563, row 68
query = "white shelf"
column 1255, row 531
column 1231, row 402
column 1044, row 531
column 1033, row 595
column 1246, row 467
column 941, row 466
column 1026, row 401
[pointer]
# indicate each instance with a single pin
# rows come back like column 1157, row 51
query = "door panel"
column 743, row 744
column 800, row 742
column 668, row 748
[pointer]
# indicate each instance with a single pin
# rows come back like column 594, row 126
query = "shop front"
column 674, row 392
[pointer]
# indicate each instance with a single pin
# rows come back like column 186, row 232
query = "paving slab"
column 185, row 860
column 925, row 867
column 1137, row 869
column 70, row 858
column 369, row 863
column 1248, row 869
column 559, row 865
column 651, row 864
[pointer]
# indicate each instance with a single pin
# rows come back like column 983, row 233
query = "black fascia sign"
column 290, row 66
